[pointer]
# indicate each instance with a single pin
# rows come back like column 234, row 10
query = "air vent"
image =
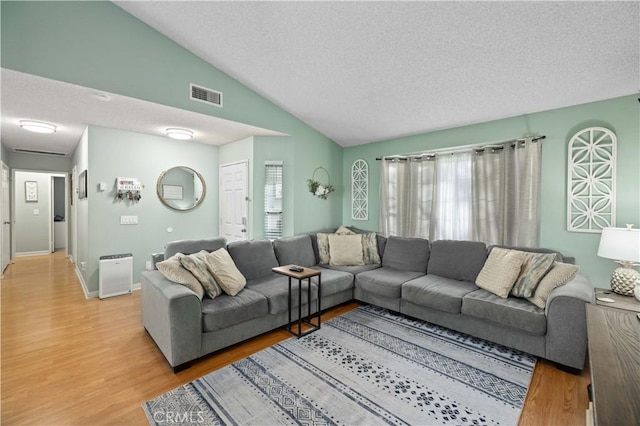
column 33, row 151
column 208, row 96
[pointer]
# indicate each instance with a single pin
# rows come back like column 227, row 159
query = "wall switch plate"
column 148, row 265
column 102, row 186
column 128, row 220
column 36, row 212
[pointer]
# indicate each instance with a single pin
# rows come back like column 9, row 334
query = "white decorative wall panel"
column 360, row 190
column 591, row 180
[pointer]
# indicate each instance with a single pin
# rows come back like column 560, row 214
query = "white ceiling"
column 72, row 108
column 361, row 71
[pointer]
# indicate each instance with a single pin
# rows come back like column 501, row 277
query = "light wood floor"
column 71, row 360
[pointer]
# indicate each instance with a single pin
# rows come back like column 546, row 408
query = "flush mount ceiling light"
column 102, row 97
column 181, row 134
column 37, row 126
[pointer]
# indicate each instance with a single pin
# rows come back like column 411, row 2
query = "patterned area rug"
column 366, row 367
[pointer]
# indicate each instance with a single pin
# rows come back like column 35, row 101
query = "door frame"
column 247, row 210
column 3, row 165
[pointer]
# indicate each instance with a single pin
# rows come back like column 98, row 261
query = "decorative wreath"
column 318, row 189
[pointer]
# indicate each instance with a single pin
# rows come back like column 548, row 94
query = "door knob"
column 7, row 223
column 243, row 230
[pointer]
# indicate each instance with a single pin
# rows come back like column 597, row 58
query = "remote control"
column 296, row 269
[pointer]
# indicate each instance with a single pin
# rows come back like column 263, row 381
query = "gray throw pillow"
column 197, row 265
column 173, row 270
column 535, row 266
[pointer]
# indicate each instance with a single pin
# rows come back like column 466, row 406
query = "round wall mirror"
column 181, row 188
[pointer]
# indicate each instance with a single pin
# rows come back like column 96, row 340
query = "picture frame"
column 82, row 185
column 31, row 191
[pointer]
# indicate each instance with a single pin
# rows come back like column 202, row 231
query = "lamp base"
column 624, row 280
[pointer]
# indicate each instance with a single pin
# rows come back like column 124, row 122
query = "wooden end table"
column 305, row 273
column 614, row 356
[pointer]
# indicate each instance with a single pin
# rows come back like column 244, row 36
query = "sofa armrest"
column 172, row 314
column 566, row 341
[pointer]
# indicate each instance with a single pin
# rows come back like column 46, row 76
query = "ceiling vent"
column 208, row 96
column 33, row 151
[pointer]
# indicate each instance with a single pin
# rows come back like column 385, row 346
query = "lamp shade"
column 620, row 244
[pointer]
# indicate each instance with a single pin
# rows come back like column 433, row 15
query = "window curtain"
column 512, row 200
column 490, row 195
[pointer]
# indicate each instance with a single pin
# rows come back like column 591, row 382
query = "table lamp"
column 623, row 246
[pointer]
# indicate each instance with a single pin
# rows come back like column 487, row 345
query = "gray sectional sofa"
column 429, row 281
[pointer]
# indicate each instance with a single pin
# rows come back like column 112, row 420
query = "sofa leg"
column 181, row 367
column 567, row 369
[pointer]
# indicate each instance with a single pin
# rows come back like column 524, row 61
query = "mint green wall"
column 98, row 45
column 621, row 115
column 116, row 153
column 46, row 163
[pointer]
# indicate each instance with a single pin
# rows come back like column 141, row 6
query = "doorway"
column 234, row 223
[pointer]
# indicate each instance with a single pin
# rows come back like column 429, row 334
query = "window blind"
column 273, row 200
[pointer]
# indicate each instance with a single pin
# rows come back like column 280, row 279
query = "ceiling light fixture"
column 181, row 134
column 37, row 126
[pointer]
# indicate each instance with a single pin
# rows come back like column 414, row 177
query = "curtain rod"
column 473, row 147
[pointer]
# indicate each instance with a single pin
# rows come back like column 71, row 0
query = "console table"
column 614, row 356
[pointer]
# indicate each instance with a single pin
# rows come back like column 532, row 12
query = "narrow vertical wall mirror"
column 181, row 188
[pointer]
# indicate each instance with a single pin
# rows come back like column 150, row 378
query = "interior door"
column 233, row 201
column 6, row 219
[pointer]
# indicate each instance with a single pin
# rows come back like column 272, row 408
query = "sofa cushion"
column 500, row 271
column 225, row 311
column 406, row 254
column 254, row 259
column 385, row 281
column 511, row 312
column 275, row 288
column 333, row 281
column 535, row 266
column 560, row 274
column 296, row 250
column 173, row 270
column 193, row 246
column 436, row 292
column 458, row 260
column 196, row 263
column 352, row 269
column 225, row 271
column 345, row 249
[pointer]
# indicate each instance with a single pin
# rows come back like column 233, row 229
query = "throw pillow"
column 560, row 274
column 343, row 230
column 345, row 250
column 533, row 269
column 172, row 269
column 500, row 271
column 196, row 264
column 323, row 249
column 370, row 249
column 227, row 274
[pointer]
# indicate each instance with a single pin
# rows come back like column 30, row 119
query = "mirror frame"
column 163, row 201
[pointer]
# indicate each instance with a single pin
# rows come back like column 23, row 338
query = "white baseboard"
column 136, row 286
column 32, row 253
column 87, row 294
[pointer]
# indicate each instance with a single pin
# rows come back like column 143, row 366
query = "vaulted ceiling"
column 360, row 72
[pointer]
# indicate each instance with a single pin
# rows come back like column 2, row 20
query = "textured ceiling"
column 366, row 71
column 361, row 71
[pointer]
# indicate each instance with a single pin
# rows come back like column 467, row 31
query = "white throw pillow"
column 345, row 250
column 500, row 271
column 223, row 268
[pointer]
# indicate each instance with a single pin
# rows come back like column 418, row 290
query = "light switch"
column 36, row 212
column 128, row 220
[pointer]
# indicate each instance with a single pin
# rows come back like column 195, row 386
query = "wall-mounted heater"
column 115, row 275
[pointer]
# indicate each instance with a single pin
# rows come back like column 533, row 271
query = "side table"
column 305, row 273
column 613, row 331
